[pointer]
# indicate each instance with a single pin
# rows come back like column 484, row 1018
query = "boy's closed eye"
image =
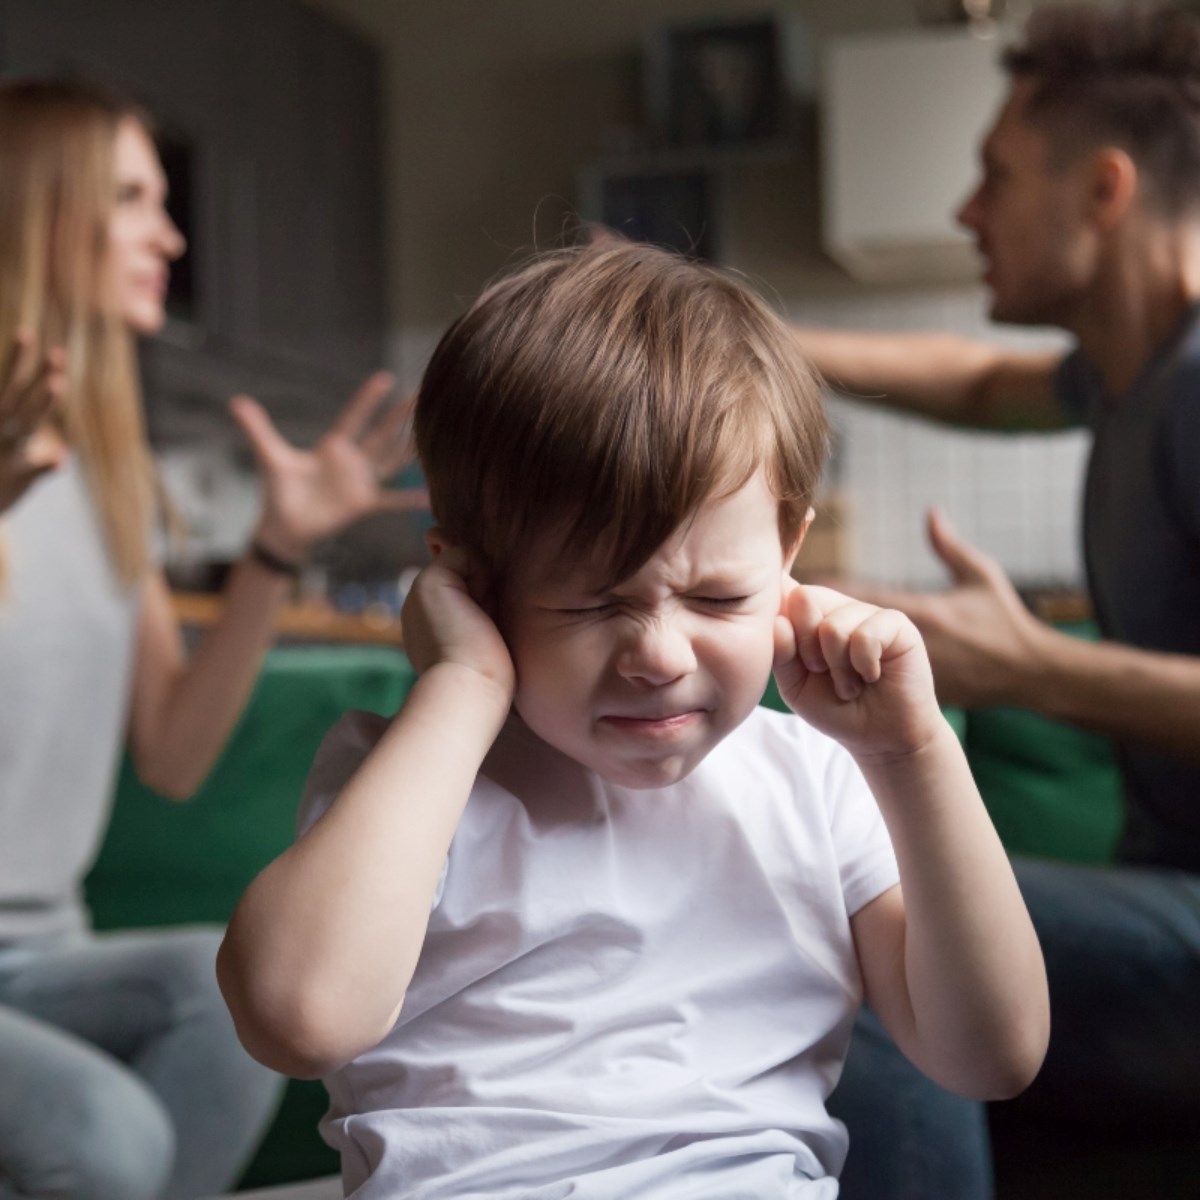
column 605, row 607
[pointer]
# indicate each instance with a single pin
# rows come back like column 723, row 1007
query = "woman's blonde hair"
column 600, row 395
column 57, row 190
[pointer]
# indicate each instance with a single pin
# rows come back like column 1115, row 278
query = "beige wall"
column 493, row 105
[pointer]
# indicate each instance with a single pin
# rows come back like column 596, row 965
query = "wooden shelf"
column 315, row 622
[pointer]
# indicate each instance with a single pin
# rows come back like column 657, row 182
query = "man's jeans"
column 120, row 1075
column 1122, row 948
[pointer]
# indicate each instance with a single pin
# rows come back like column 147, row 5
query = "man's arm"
column 1126, row 693
column 957, row 380
column 987, row 648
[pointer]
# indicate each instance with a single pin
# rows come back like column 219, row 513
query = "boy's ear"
column 789, row 556
column 435, row 541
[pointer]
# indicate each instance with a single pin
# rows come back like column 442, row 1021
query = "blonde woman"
column 119, row 1072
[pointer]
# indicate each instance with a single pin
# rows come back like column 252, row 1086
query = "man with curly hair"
column 1088, row 218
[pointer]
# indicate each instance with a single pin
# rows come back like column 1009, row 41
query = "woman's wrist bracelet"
column 272, row 561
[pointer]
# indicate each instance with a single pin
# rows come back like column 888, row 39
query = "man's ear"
column 789, row 556
column 1114, row 183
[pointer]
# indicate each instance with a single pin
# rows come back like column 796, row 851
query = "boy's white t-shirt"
column 624, row 995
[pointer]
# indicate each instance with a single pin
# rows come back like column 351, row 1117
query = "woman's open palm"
column 313, row 494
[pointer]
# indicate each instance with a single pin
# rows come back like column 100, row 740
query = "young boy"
column 582, row 920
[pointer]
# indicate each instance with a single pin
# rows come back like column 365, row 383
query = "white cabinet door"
column 902, row 118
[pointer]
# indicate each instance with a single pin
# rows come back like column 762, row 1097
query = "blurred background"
column 349, row 173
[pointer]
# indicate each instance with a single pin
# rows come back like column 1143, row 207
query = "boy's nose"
column 656, row 652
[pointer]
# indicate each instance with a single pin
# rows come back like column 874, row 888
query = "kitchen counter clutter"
column 313, row 621
column 171, row 864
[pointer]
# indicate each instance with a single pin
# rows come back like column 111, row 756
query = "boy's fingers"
column 785, row 642
column 835, row 646
column 870, row 642
column 855, row 638
column 805, row 617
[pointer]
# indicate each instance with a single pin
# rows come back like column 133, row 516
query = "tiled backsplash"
column 1014, row 496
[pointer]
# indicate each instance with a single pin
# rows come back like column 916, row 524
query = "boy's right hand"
column 444, row 623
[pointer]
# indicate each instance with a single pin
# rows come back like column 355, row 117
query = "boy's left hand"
column 856, row 672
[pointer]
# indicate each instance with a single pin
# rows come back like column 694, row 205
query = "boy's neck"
column 552, row 787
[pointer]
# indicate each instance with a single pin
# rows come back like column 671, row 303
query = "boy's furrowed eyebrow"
column 742, row 581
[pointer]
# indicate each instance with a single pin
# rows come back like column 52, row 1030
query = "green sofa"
column 167, row 864
column 1052, row 791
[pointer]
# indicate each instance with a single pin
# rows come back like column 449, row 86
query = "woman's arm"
column 182, row 711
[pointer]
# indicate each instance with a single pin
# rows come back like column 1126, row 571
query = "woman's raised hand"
column 32, row 387
column 312, row 494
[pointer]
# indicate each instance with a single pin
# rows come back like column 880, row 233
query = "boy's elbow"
column 288, row 1028
column 1013, row 1064
column 1019, row 1067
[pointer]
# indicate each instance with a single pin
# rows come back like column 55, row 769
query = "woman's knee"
column 110, row 1139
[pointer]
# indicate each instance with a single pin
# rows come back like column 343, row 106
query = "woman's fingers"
column 31, row 389
column 18, row 365
column 353, row 420
column 45, row 391
column 265, row 440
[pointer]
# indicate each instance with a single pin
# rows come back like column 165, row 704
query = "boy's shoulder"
column 349, row 740
column 770, row 731
column 782, row 751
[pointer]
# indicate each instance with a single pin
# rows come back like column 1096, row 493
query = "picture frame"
column 716, row 84
column 673, row 206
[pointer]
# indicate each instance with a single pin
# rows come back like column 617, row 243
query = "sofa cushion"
column 164, row 863
column 1052, row 790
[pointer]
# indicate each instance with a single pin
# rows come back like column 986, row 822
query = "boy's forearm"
column 324, row 943
column 975, row 1015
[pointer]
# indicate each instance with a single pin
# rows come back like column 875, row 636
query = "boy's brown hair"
column 600, row 395
column 1127, row 76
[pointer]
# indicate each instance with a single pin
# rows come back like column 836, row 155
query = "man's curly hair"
column 1127, row 76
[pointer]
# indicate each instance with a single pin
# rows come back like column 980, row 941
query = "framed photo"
column 671, row 207
column 716, row 84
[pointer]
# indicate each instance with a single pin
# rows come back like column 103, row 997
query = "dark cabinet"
column 269, row 115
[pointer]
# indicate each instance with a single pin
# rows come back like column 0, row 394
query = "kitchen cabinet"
column 902, row 118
